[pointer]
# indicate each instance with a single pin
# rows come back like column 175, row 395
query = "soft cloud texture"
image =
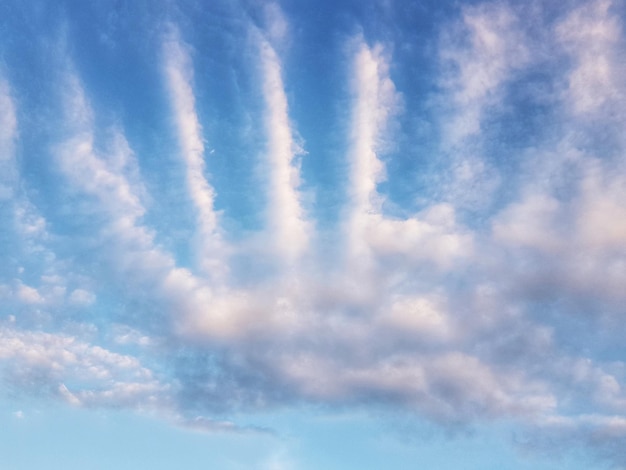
column 499, row 299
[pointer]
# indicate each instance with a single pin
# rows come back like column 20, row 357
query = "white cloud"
column 375, row 101
column 601, row 218
column 494, row 48
column 82, row 297
column 203, row 424
column 421, row 313
column 8, row 121
column 419, row 318
column 133, row 255
column 43, row 363
column 451, row 387
column 8, row 136
column 123, row 334
column 28, row 294
column 479, row 56
column 431, row 236
column 290, row 231
column 530, row 222
column 276, row 25
column 179, row 73
column 591, row 35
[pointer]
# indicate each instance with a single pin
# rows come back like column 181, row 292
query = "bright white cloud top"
column 216, row 212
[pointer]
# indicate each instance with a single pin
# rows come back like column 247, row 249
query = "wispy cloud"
column 290, row 230
column 591, row 34
column 8, row 135
column 492, row 48
column 478, row 56
column 66, row 368
column 179, row 73
column 203, row 424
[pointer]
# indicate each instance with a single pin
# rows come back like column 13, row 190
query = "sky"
column 312, row 234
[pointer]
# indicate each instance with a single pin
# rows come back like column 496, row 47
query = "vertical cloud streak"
column 374, row 100
column 286, row 219
column 8, row 136
column 179, row 74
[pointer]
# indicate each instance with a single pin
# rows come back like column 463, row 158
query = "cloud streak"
column 8, row 135
column 179, row 75
column 290, row 230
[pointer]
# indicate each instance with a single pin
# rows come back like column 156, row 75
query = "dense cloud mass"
column 432, row 221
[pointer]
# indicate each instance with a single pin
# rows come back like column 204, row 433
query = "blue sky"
column 309, row 234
